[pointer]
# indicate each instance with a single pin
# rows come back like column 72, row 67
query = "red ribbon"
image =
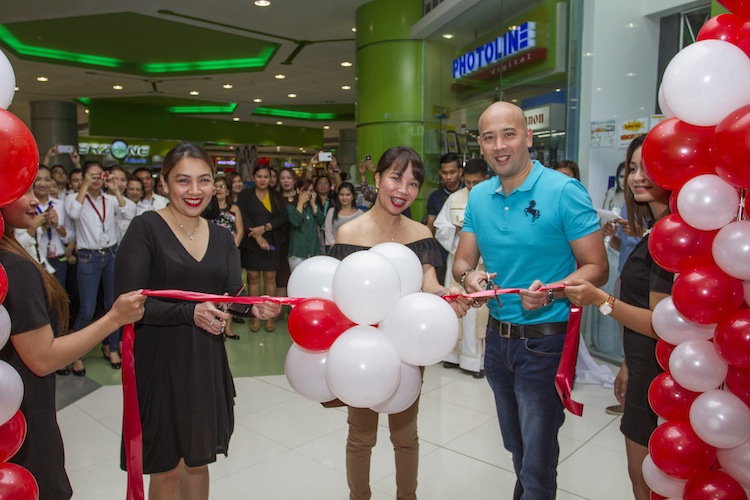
column 133, row 433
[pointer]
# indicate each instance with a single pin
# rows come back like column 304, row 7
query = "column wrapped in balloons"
column 365, row 328
column 702, row 448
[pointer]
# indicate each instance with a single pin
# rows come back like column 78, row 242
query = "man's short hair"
column 475, row 166
column 450, row 158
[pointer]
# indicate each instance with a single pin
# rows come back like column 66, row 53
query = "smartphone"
column 325, row 156
column 368, row 158
column 65, row 149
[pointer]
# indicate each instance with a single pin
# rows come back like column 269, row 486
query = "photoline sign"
column 515, row 40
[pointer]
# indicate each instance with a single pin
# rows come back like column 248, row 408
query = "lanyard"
column 101, row 215
column 49, row 228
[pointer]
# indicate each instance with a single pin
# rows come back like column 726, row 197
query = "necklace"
column 398, row 226
column 189, row 234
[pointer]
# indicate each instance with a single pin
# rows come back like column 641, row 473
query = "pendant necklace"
column 398, row 226
column 189, row 234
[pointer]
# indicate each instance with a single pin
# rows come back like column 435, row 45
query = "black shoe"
column 238, row 320
column 448, row 364
column 479, row 375
column 81, row 373
column 233, row 337
column 63, row 371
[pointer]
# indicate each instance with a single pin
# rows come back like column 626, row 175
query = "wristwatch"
column 607, row 308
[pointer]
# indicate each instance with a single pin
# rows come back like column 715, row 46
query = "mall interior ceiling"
column 228, row 59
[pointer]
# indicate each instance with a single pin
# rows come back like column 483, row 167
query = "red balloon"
column 706, row 294
column 673, row 202
column 675, row 152
column 17, row 483
column 743, row 39
column 676, row 246
column 663, row 351
column 738, row 7
column 3, row 284
column 677, row 450
column 732, row 339
column 315, row 323
column 12, row 434
column 2, row 226
column 713, row 485
column 669, row 399
column 730, row 148
column 724, row 27
column 20, row 158
column 738, row 383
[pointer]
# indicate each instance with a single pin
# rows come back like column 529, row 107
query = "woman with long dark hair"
column 342, row 212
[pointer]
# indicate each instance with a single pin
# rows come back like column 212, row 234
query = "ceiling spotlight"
column 262, row 3
column 17, row 89
column 228, row 86
column 292, row 96
column 514, row 100
column 345, row 87
column 194, row 92
column 346, row 64
column 117, row 87
column 448, row 36
column 86, row 111
column 588, row 54
column 257, row 99
column 354, row 30
column 326, row 127
column 631, row 25
column 278, row 148
column 558, row 90
column 279, row 122
column 236, row 119
column 41, row 78
column 279, row 76
column 631, row 74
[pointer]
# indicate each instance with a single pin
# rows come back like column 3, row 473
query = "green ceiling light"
column 259, row 61
column 228, row 108
column 60, row 55
column 299, row 115
column 84, row 100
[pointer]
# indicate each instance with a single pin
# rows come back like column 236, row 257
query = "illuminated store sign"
column 129, row 154
column 514, row 41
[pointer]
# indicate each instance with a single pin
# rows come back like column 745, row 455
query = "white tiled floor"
column 285, row 447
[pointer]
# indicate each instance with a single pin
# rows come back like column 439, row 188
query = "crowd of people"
column 93, row 238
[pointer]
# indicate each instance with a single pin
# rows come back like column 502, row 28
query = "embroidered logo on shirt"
column 533, row 212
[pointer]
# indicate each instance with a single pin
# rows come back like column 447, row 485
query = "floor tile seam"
column 459, row 405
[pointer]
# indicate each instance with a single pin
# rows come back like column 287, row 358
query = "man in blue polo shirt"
column 532, row 226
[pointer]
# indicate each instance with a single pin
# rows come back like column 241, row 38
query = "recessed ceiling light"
column 631, row 25
column 558, row 90
column 279, row 76
column 279, row 122
column 301, row 150
column 631, row 74
column 346, row 64
column 194, row 92
column 257, row 99
column 345, row 87
column 326, row 127
column 292, row 96
column 228, row 86
column 278, row 148
column 117, row 87
column 17, row 89
column 41, row 78
column 448, row 36
column 236, row 119
column 513, row 28
column 86, row 111
column 354, row 30
column 598, row 89
column 588, row 54
column 514, row 100
column 262, row 3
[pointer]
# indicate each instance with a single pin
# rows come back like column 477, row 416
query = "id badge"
column 51, row 252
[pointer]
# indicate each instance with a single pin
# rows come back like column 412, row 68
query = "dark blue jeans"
column 93, row 268
column 61, row 270
column 521, row 373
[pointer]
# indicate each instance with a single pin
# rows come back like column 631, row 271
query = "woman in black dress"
column 399, row 176
column 263, row 215
column 38, row 307
column 644, row 284
column 185, row 388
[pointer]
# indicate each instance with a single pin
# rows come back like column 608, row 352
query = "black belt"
column 102, row 251
column 515, row 331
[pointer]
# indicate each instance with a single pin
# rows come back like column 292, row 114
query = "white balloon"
column 406, row 392
column 696, row 366
column 407, row 264
column 423, row 327
column 736, row 462
column 366, row 287
column 5, row 324
column 11, row 391
column 672, row 326
column 313, row 278
column 706, row 81
column 659, row 482
column 7, row 81
column 663, row 105
column 731, row 249
column 363, row 368
column 707, row 202
column 306, row 373
column 720, row 418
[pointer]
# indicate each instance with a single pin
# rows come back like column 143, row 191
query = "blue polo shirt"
column 526, row 235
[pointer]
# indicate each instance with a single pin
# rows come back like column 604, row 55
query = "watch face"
column 605, row 309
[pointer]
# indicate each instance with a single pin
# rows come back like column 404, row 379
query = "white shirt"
column 29, row 244
column 47, row 238
column 122, row 222
column 92, row 232
column 156, row 202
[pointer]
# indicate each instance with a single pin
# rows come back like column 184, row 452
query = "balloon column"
column 19, row 161
column 365, row 328
column 702, row 448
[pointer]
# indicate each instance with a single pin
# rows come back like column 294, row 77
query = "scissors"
column 491, row 286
